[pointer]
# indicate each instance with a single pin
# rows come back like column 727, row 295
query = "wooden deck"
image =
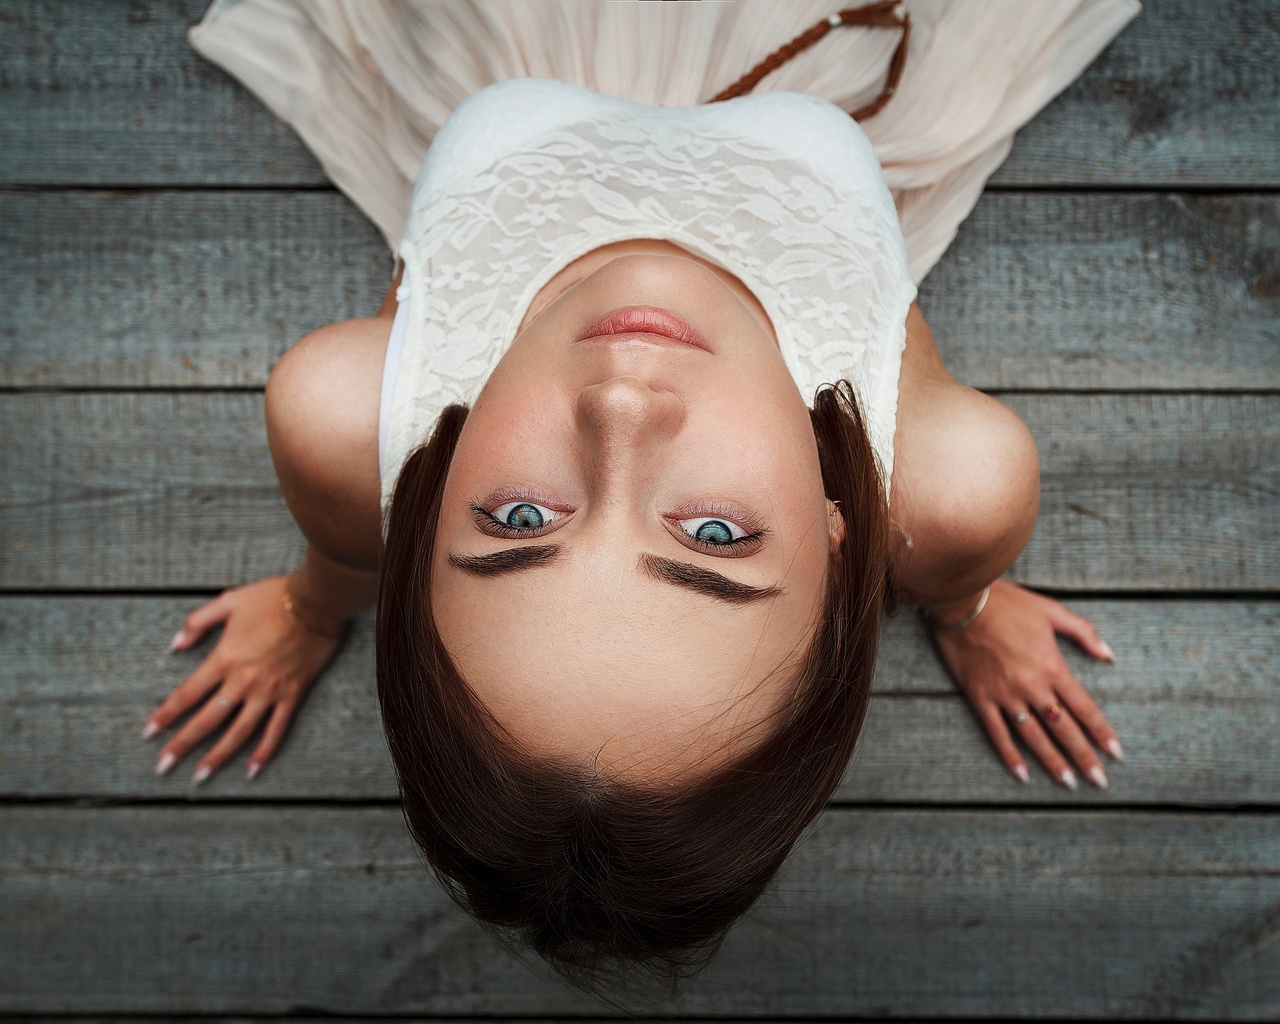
column 163, row 240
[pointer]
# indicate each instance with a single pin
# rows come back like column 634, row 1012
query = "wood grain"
column 930, row 912
column 1191, row 696
column 1186, row 94
column 176, row 289
column 176, row 490
column 112, row 94
column 1086, row 291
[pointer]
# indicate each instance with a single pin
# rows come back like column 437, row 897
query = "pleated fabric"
column 367, row 83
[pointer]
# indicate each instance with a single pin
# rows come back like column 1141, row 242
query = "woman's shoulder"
column 322, row 404
column 966, row 468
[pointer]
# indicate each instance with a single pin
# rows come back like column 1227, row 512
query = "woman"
column 629, row 584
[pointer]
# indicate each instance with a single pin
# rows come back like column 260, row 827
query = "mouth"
column 646, row 323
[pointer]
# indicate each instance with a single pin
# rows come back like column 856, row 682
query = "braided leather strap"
column 877, row 15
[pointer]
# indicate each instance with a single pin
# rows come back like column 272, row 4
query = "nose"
column 624, row 417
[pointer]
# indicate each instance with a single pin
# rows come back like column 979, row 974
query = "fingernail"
column 150, row 729
column 165, row 763
column 1107, row 652
column 254, row 768
column 202, row 773
column 178, row 637
column 1114, row 749
column 1098, row 776
column 1020, row 770
column 1068, row 778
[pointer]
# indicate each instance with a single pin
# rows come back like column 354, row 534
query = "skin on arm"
column 279, row 634
column 322, row 425
column 322, row 405
column 965, row 498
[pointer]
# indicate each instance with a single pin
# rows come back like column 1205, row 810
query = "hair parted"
column 593, row 874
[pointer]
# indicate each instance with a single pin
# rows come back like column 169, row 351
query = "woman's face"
column 632, row 549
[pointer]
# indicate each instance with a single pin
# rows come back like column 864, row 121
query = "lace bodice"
column 783, row 190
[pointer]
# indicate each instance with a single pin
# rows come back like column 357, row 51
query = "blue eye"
column 719, row 533
column 712, row 532
column 520, row 516
column 515, row 518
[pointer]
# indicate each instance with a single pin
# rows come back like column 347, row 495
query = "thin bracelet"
column 291, row 610
column 938, row 628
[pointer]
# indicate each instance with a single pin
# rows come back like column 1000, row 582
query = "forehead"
column 591, row 659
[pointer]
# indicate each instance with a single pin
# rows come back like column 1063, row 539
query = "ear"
column 835, row 526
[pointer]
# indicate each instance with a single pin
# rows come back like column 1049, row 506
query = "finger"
column 184, row 697
column 1067, row 732
column 208, row 718
column 200, row 621
column 233, row 739
column 277, row 726
column 1037, row 739
column 998, row 730
column 1081, row 630
column 1086, row 711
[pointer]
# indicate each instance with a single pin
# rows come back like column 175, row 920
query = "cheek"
column 509, row 430
column 764, row 445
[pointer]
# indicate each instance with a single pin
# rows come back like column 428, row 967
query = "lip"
column 646, row 323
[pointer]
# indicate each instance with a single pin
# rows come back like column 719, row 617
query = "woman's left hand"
column 1007, row 662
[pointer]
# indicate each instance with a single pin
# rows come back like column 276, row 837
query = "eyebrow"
column 665, row 570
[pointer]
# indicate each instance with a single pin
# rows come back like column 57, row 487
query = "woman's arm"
column 966, row 495
column 279, row 634
column 966, row 492
column 322, row 426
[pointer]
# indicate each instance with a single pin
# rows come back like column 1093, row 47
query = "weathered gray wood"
column 1089, row 291
column 1187, row 93
column 1039, row 290
column 128, row 289
column 177, row 490
column 1192, row 696
column 1164, row 491
column 966, row 913
column 139, row 490
column 112, row 94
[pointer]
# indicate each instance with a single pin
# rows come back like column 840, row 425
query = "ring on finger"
column 223, row 701
column 1021, row 717
column 1052, row 712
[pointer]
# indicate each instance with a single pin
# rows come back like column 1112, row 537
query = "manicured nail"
column 1020, row 770
column 178, row 637
column 150, row 729
column 202, row 773
column 1098, row 776
column 1114, row 749
column 1106, row 650
column 254, row 768
column 1068, row 778
column 165, row 763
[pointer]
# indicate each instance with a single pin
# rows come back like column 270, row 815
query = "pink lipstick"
column 646, row 320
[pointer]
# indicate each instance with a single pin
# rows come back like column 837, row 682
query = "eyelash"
column 491, row 524
column 494, row 526
column 748, row 542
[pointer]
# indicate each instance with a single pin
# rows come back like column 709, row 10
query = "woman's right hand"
column 263, row 664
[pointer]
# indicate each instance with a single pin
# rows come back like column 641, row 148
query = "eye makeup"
column 483, row 513
column 753, row 536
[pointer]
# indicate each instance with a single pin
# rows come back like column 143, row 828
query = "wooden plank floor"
column 163, row 240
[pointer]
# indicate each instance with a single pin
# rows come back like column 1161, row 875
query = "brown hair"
column 594, row 874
